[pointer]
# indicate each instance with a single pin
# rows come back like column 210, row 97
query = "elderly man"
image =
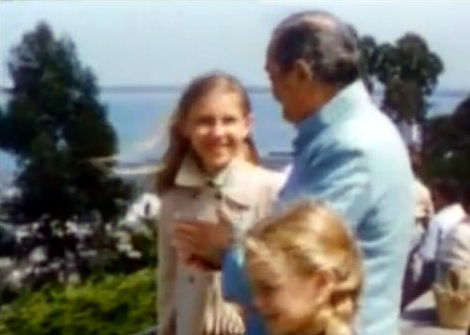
column 347, row 153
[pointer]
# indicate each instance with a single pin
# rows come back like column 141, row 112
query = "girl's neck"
column 210, row 172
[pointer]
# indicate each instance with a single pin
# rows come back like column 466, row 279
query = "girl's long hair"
column 311, row 237
column 179, row 145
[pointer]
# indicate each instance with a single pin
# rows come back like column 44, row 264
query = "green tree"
column 368, row 59
column 448, row 144
column 54, row 124
column 408, row 70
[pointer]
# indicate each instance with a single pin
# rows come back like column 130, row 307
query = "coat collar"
column 342, row 106
column 231, row 181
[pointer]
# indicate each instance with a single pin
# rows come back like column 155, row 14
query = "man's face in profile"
column 283, row 84
column 274, row 72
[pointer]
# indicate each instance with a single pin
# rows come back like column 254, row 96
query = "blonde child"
column 306, row 272
column 211, row 165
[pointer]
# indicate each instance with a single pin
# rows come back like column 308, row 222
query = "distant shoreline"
column 250, row 88
column 149, row 89
column 165, row 88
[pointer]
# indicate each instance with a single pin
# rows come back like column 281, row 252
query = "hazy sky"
column 168, row 42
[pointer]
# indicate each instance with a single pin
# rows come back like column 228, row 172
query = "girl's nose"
column 259, row 303
column 217, row 129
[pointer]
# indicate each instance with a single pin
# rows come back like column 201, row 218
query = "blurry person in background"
column 454, row 250
column 424, row 208
column 447, row 198
column 423, row 211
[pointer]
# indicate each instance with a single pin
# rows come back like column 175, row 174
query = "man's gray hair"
column 322, row 40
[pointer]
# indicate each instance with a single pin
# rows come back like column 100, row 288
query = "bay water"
column 140, row 118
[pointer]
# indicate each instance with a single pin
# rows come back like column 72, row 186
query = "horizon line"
column 149, row 87
column 116, row 88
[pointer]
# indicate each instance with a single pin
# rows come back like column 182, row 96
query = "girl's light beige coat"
column 190, row 301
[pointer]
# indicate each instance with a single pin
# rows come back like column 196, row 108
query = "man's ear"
column 302, row 71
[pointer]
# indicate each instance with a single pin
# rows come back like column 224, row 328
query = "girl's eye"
column 229, row 120
column 205, row 121
column 265, row 288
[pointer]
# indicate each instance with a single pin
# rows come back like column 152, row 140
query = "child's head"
column 306, row 271
column 446, row 191
column 212, row 121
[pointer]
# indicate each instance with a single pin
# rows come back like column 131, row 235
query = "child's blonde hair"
column 179, row 146
column 312, row 238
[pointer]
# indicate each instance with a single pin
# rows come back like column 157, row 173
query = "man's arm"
column 235, row 283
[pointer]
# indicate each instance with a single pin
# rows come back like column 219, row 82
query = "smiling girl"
column 211, row 165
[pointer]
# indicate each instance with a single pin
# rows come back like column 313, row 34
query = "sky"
column 143, row 42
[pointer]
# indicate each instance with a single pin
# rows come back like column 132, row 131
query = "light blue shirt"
column 350, row 155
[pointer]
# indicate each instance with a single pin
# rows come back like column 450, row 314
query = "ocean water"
column 140, row 121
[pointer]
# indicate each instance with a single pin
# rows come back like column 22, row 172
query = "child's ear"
column 251, row 245
column 322, row 285
column 256, row 249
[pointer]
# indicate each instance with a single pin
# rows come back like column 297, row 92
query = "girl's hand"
column 204, row 240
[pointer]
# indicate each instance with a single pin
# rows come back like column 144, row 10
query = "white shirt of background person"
column 439, row 226
column 454, row 251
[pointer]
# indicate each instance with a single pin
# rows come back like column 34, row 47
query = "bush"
column 110, row 305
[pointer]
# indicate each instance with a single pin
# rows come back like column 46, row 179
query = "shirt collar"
column 454, row 212
column 229, row 181
column 341, row 106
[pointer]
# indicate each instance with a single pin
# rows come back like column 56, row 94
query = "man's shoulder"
column 367, row 142
column 366, row 139
column 371, row 134
column 368, row 125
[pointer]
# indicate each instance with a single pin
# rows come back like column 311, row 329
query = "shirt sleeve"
column 235, row 283
column 428, row 249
